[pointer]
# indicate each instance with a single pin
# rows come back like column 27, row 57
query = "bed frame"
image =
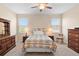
column 38, row 49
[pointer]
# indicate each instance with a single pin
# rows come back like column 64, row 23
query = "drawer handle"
column 76, row 39
column 76, row 47
column 76, row 36
column 76, row 44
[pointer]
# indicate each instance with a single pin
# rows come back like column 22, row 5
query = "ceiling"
column 24, row 8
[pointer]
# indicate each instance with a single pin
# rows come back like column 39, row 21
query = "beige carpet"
column 62, row 50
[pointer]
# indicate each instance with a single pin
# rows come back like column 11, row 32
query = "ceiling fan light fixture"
column 42, row 6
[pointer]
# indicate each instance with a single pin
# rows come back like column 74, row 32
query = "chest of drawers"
column 6, row 44
column 73, row 39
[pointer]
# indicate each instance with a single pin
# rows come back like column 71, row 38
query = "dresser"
column 73, row 39
column 6, row 44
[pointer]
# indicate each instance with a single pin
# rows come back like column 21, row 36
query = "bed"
column 39, row 42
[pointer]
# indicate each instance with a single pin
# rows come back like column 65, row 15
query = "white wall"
column 70, row 20
column 39, row 20
column 5, row 13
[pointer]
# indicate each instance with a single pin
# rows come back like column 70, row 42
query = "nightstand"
column 59, row 39
column 52, row 37
column 24, row 38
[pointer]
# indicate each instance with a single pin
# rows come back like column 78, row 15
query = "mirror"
column 2, row 32
column 4, row 28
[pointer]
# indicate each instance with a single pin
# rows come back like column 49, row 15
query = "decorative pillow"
column 38, row 32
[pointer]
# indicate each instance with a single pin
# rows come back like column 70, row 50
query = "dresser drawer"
column 13, row 37
column 73, row 36
column 76, row 49
column 13, row 40
column 73, row 31
column 74, row 44
column 3, row 41
column 7, row 39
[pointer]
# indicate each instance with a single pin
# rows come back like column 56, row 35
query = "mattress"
column 39, row 41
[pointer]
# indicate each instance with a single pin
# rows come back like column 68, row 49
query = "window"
column 55, row 21
column 56, row 24
column 23, row 23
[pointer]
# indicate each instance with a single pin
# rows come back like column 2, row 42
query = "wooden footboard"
column 52, row 47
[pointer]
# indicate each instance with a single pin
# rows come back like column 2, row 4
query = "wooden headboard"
column 38, row 29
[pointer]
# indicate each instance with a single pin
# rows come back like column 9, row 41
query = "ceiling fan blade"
column 34, row 7
column 49, row 7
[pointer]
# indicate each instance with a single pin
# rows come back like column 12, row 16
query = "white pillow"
column 38, row 33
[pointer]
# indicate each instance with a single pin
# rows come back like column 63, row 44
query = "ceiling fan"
column 42, row 6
